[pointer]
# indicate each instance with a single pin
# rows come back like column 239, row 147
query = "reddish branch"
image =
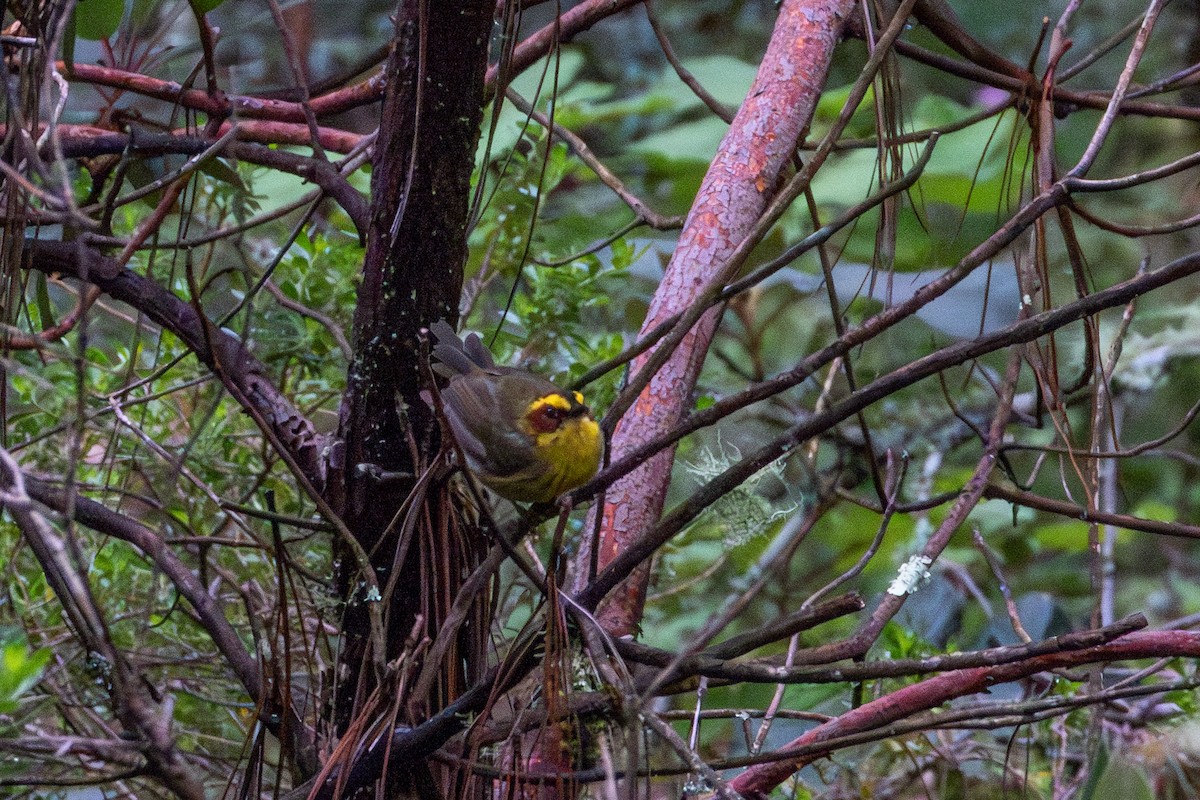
column 236, row 106
column 737, row 188
column 758, row 781
column 335, row 140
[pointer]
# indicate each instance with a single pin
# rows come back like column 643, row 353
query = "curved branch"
column 240, row 372
column 942, row 22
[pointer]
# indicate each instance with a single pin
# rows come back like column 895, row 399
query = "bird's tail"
column 458, row 357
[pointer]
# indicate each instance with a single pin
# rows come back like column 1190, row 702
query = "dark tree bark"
column 412, row 276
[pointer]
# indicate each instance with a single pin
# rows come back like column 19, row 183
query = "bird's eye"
column 546, row 418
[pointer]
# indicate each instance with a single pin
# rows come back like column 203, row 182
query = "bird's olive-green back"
column 485, row 409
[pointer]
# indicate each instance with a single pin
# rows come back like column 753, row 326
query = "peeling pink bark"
column 739, row 184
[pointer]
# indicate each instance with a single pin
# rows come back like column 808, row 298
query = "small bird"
column 522, row 436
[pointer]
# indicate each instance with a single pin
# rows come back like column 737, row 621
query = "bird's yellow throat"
column 572, row 450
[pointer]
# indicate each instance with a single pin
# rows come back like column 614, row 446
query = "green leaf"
column 218, row 170
column 724, row 77
column 692, row 141
column 829, row 107
column 277, row 189
column 45, row 310
column 98, row 19
column 1067, row 535
column 1116, row 778
column 563, row 67
column 20, row 670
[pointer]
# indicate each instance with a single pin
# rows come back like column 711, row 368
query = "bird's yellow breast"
column 573, row 451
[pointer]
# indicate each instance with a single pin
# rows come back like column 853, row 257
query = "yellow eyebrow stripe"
column 553, row 400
